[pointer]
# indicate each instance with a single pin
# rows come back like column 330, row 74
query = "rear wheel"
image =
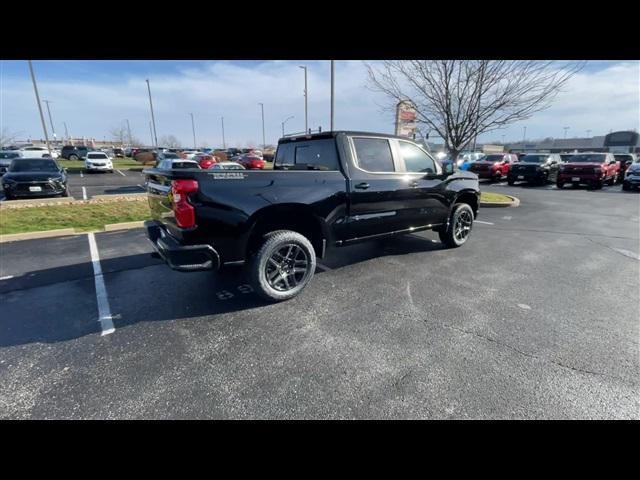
column 282, row 266
column 73, row 157
column 612, row 181
column 510, row 182
column 559, row 184
column 460, row 225
column 625, row 186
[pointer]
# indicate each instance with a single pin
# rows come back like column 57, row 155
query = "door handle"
column 363, row 186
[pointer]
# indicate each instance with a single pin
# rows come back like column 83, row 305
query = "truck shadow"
column 141, row 288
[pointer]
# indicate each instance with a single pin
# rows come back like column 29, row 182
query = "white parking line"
column 121, row 173
column 7, row 277
column 104, row 312
column 485, row 223
column 81, row 174
column 84, row 193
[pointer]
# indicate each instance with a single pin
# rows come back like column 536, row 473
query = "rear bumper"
column 184, row 258
column 535, row 176
column 98, row 167
column 486, row 173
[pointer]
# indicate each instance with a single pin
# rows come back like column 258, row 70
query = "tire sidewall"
column 449, row 237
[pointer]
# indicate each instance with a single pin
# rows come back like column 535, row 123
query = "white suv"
column 98, row 161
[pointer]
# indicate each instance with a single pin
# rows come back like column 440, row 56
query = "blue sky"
column 92, row 97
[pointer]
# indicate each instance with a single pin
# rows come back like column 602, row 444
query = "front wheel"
column 460, row 225
column 282, row 266
column 73, row 157
column 559, row 184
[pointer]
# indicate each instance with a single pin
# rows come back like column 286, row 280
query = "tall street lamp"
column 565, row 131
column 333, row 103
column 53, row 130
column 193, row 128
column 44, row 125
column 285, row 121
column 153, row 120
column 224, row 145
column 306, row 117
column 264, row 145
column 524, row 135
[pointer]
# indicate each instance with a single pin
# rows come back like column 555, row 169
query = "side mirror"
column 448, row 168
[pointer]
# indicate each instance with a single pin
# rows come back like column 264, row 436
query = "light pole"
column 66, row 131
column 193, row 127
column 264, row 144
column 129, row 131
column 333, row 103
column 53, row 130
column 151, row 132
column 224, row 145
column 588, row 133
column 44, row 125
column 524, row 135
column 565, row 131
column 153, row 120
column 285, row 121
column 306, row 117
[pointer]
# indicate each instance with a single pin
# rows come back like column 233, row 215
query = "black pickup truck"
column 326, row 190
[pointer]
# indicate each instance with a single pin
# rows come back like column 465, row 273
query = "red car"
column 252, row 163
column 205, row 161
column 593, row 169
column 494, row 166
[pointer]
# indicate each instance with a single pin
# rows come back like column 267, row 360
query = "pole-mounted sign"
column 406, row 119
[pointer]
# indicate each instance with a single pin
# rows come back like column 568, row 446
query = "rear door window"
column 374, row 155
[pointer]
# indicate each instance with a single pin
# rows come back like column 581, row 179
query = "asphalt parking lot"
column 537, row 316
column 83, row 185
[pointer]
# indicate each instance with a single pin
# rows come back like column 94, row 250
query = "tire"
column 510, row 182
column 73, row 157
column 597, row 185
column 462, row 212
column 8, row 197
column 626, row 186
column 270, row 253
column 612, row 181
column 559, row 184
column 66, row 192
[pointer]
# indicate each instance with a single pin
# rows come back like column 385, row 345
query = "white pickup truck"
column 37, row 152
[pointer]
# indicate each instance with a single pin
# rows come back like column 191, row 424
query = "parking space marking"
column 81, row 174
column 485, row 223
column 6, row 277
column 121, row 173
column 84, row 193
column 104, row 311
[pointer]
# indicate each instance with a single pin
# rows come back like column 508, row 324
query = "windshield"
column 534, row 158
column 33, row 166
column 624, row 158
column 588, row 158
column 9, row 155
column 101, row 156
column 492, row 158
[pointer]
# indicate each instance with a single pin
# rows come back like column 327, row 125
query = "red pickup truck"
column 494, row 166
column 593, row 169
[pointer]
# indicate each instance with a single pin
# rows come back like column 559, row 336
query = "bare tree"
column 120, row 134
column 169, row 141
column 7, row 137
column 461, row 99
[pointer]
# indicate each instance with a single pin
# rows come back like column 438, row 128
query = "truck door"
column 423, row 195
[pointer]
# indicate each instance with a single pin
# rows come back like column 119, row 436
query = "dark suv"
column 69, row 152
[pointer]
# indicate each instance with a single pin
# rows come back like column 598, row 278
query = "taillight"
column 184, row 212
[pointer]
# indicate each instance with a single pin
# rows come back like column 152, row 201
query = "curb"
column 12, row 237
column 47, row 202
column 123, row 226
column 515, row 202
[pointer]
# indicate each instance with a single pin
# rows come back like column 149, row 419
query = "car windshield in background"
column 33, row 166
column 185, row 165
column 170, row 156
column 97, row 155
column 534, row 158
column 588, row 158
column 9, row 155
column 492, row 158
column 624, row 158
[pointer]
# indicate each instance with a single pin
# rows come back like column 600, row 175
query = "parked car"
column 494, row 166
column 624, row 160
column 176, row 163
column 252, row 163
column 6, row 157
column 594, row 169
column 232, row 152
column 98, row 162
column 34, row 177
column 327, row 190
column 118, row 153
column 205, row 161
column 537, row 168
column 632, row 176
column 227, row 166
column 35, row 152
column 565, row 157
column 465, row 159
column 189, row 154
